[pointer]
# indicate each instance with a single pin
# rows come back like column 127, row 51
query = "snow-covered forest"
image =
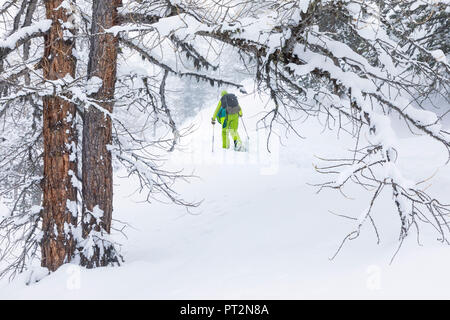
column 114, row 179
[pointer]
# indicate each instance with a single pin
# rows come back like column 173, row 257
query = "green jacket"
column 220, row 105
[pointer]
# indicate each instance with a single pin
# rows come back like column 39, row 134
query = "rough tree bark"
column 97, row 135
column 58, row 244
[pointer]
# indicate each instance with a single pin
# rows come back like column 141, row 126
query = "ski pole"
column 212, row 146
column 245, row 129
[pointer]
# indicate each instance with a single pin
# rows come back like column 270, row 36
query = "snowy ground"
column 261, row 231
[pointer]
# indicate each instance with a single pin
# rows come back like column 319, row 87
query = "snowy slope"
column 261, row 230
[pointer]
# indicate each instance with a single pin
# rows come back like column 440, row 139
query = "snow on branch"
column 26, row 33
column 148, row 56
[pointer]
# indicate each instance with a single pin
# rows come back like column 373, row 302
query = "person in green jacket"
column 229, row 124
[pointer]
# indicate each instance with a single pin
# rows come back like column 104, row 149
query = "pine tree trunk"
column 97, row 135
column 59, row 132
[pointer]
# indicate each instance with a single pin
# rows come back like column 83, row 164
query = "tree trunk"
column 97, row 135
column 58, row 244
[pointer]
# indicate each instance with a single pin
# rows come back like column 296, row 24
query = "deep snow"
column 261, row 231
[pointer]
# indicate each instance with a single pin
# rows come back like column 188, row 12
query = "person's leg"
column 225, row 139
column 234, row 124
